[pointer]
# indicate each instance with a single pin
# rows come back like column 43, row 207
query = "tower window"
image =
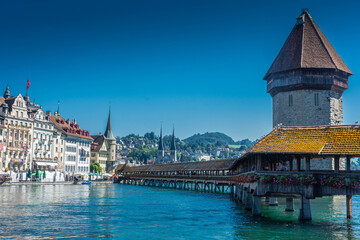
column 316, row 99
column 290, row 100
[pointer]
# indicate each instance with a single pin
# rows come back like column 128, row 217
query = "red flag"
column 28, row 84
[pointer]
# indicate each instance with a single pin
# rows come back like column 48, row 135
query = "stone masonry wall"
column 304, row 112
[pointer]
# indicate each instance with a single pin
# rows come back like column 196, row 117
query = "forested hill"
column 215, row 138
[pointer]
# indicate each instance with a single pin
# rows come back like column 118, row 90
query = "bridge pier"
column 273, row 202
column 256, row 207
column 243, row 196
column 349, row 206
column 305, row 210
column 249, row 200
column 289, row 205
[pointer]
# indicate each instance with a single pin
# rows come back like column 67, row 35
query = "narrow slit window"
column 316, row 96
column 290, row 100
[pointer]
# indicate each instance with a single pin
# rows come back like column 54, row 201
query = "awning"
column 46, row 164
column 40, row 163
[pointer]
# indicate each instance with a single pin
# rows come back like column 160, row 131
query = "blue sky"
column 196, row 64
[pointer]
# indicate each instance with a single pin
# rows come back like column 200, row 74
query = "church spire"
column 7, row 92
column 161, row 144
column 173, row 146
column 108, row 132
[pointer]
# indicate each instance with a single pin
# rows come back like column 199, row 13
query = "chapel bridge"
column 256, row 174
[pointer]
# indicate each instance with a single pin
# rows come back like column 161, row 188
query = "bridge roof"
column 317, row 140
column 214, row 165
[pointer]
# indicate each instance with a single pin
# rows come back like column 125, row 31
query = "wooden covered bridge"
column 290, row 162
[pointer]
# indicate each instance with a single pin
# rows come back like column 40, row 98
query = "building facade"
column 76, row 144
column 307, row 80
column 18, row 132
column 162, row 155
column 103, row 149
column 44, row 154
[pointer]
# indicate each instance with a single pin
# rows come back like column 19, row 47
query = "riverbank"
column 50, row 183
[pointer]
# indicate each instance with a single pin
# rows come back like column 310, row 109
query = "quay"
column 49, row 183
column 260, row 172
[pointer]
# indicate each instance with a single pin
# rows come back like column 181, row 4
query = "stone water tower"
column 307, row 78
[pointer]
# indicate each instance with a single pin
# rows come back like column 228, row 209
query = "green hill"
column 213, row 138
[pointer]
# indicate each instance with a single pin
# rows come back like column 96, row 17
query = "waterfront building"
column 103, row 149
column 18, row 132
column 44, row 152
column 2, row 143
column 76, row 146
column 307, row 80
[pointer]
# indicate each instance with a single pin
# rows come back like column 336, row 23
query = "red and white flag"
column 28, row 84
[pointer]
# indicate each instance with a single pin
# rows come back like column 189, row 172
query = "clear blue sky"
column 197, row 64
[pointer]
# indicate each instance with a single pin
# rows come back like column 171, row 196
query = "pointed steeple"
column 7, row 92
column 173, row 146
column 307, row 48
column 58, row 108
column 161, row 144
column 108, row 132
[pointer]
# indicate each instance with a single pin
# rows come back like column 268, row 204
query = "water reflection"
column 132, row 212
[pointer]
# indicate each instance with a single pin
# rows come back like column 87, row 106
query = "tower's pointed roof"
column 173, row 146
column 307, row 47
column 161, row 144
column 108, row 132
column 7, row 92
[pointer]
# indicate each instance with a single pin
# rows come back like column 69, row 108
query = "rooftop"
column 307, row 47
column 320, row 140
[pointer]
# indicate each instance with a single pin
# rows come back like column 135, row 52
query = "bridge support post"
column 273, row 202
column 289, row 205
column 249, row 198
column 305, row 210
column 349, row 206
column 256, row 208
column 243, row 196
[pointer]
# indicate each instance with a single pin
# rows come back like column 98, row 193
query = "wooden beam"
column 336, row 163
column 307, row 164
column 298, row 163
column 348, row 163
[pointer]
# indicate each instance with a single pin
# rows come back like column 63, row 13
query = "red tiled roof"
column 70, row 128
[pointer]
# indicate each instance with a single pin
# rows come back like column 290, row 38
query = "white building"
column 18, row 132
column 76, row 147
column 43, row 149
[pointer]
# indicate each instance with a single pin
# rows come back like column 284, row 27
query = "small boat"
column 86, row 182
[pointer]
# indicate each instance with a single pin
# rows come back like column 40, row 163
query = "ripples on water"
column 134, row 212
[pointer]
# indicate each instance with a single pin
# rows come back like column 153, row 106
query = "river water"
column 113, row 211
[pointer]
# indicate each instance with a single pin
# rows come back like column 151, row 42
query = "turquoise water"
column 115, row 211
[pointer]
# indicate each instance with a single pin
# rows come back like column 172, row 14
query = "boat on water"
column 86, row 182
